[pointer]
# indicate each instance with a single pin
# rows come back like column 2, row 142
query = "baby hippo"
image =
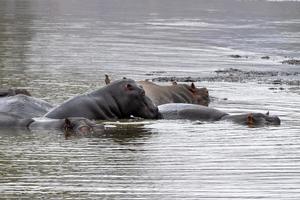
column 203, row 113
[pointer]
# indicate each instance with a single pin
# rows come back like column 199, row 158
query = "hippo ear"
column 193, row 86
column 268, row 113
column 250, row 120
column 174, row 83
column 129, row 87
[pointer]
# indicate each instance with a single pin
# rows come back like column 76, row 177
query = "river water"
column 57, row 49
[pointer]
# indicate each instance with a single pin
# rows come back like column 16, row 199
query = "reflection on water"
column 57, row 49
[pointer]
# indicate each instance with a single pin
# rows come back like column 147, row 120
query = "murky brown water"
column 57, row 49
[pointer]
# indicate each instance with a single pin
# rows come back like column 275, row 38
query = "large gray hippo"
column 117, row 100
column 13, row 92
column 24, row 106
column 202, row 113
column 176, row 93
column 70, row 126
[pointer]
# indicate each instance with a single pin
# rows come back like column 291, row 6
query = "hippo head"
column 81, row 126
column 200, row 95
column 256, row 119
column 259, row 119
column 132, row 100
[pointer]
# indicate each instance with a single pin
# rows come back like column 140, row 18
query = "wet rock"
column 235, row 56
column 155, row 73
column 294, row 82
column 277, row 82
column 230, row 70
column 237, row 75
column 291, row 62
column 265, row 57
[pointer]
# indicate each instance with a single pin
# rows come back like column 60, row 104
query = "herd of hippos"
column 120, row 99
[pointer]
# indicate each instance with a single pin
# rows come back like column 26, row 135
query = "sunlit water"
column 57, row 49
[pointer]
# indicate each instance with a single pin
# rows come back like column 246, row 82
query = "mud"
column 291, row 62
column 237, row 75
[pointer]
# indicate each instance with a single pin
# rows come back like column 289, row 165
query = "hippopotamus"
column 13, row 92
column 24, row 106
column 203, row 113
column 175, row 93
column 70, row 126
column 117, row 100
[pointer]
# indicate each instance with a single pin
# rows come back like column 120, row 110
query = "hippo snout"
column 273, row 120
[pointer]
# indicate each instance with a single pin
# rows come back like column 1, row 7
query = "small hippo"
column 175, row 93
column 118, row 100
column 202, row 113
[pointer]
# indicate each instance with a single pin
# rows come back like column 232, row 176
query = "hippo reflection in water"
column 118, row 100
column 70, row 126
column 202, row 113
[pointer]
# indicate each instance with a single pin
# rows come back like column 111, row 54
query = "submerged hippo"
column 24, row 106
column 117, row 100
column 202, row 113
column 70, row 126
column 175, row 93
column 13, row 92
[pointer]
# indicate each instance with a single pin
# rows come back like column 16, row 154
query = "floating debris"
column 265, row 57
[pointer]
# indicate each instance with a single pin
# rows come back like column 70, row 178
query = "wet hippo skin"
column 176, row 93
column 202, row 113
column 117, row 100
column 24, row 106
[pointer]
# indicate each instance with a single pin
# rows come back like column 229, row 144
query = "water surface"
column 57, row 49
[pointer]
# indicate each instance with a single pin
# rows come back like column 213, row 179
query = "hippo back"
column 119, row 99
column 24, row 106
column 179, row 93
column 190, row 112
